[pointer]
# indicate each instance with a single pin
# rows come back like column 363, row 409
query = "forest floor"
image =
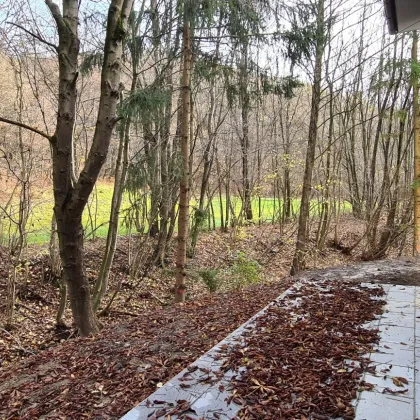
column 145, row 340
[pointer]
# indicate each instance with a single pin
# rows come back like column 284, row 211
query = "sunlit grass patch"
column 96, row 214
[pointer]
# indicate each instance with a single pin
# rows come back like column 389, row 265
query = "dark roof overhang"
column 391, row 16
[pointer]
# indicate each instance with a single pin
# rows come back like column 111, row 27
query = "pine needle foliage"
column 143, row 103
column 91, row 61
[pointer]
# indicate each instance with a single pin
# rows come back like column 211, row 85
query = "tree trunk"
column 70, row 200
column 244, row 96
column 59, row 319
column 184, row 205
column 121, row 168
column 56, row 272
column 325, row 206
column 416, row 119
column 302, row 236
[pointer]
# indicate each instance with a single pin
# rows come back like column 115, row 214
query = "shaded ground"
column 104, row 376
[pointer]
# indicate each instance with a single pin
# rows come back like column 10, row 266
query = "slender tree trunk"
column 302, row 236
column 220, row 189
column 152, row 158
column 121, row 168
column 17, row 240
column 59, row 319
column 416, row 120
column 200, row 213
column 287, row 198
column 325, row 206
column 184, row 205
column 56, row 273
column 245, row 102
column 168, row 180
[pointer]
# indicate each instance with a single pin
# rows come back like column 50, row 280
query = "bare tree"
column 71, row 198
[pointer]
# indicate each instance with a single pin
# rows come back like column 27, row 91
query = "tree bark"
column 416, row 119
column 70, row 200
column 121, row 168
column 302, row 236
column 184, row 205
column 244, row 96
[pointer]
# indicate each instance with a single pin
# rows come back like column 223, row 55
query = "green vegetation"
column 96, row 215
column 210, row 278
column 242, row 272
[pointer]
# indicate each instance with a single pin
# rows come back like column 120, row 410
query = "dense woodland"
column 206, row 118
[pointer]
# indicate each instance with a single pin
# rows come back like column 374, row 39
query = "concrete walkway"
column 396, row 356
column 205, row 390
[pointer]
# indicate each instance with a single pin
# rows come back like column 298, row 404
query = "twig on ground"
column 20, row 347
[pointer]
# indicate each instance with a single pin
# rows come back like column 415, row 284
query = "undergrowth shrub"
column 210, row 278
column 244, row 271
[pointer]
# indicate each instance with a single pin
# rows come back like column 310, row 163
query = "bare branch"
column 56, row 14
column 27, row 127
column 38, row 37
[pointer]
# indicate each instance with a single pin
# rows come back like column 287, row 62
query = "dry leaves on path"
column 295, row 358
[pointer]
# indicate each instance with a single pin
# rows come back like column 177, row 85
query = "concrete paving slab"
column 395, row 334
column 417, row 402
column 402, row 289
column 396, row 357
column 213, row 403
column 401, row 296
column 375, row 406
column 398, row 319
column 392, row 348
column 397, row 306
column 385, row 383
column 402, row 358
column 406, row 372
column 371, row 325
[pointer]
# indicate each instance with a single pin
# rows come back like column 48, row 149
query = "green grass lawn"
column 269, row 208
column 96, row 215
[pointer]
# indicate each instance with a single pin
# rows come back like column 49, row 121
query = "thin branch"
column 27, row 127
column 17, row 341
column 232, row 36
column 38, row 37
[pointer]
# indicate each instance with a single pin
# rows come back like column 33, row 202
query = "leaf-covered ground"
column 38, row 293
column 145, row 339
column 104, row 376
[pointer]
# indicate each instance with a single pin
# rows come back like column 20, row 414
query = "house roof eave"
column 391, row 16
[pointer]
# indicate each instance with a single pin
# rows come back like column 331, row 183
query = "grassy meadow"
column 96, row 215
